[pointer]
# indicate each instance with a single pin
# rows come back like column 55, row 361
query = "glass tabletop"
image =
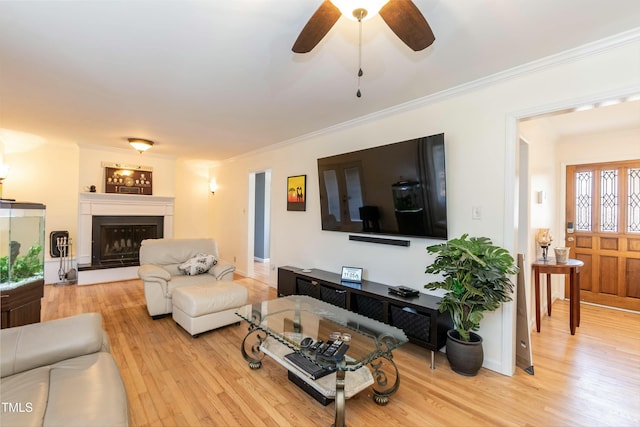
column 293, row 318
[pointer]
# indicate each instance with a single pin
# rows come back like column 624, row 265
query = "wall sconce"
column 141, row 145
column 541, row 197
column 213, row 185
column 4, row 172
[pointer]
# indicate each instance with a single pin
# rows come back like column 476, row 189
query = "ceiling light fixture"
column 402, row 16
column 610, row 102
column 585, row 107
column 141, row 145
column 359, row 10
column 356, row 11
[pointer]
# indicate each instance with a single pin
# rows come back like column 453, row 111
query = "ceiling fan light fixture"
column 351, row 8
column 140, row 145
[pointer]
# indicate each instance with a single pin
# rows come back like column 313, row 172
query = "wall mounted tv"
column 395, row 189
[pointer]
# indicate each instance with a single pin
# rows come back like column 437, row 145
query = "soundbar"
column 380, row 240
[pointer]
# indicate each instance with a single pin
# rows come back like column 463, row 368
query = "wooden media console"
column 418, row 317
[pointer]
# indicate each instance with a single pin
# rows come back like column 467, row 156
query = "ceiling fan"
column 402, row 16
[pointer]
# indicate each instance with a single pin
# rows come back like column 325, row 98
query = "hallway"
column 261, row 271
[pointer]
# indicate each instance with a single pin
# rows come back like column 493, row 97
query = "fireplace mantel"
column 91, row 204
column 124, row 199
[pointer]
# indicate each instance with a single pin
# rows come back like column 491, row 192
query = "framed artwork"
column 297, row 193
column 125, row 179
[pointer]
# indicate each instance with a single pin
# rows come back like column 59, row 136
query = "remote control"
column 315, row 345
column 324, row 346
column 339, row 354
column 332, row 348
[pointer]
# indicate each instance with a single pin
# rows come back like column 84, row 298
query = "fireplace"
column 133, row 207
column 115, row 240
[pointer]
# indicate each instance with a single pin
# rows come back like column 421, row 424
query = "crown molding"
column 547, row 62
column 541, row 64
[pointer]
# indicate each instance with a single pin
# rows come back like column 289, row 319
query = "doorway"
column 603, row 134
column 260, row 226
column 603, row 218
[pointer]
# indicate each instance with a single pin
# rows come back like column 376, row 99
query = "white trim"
column 509, row 310
column 90, row 277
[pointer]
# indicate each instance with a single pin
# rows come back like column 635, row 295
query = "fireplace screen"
column 116, row 239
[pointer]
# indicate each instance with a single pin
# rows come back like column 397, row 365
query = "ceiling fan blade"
column 318, row 26
column 404, row 19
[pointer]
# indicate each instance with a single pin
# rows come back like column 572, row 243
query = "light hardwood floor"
column 589, row 379
column 261, row 271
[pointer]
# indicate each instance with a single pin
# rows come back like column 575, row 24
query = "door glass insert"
column 633, row 203
column 584, row 200
column 609, row 200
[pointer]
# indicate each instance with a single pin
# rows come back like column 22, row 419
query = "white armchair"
column 159, row 261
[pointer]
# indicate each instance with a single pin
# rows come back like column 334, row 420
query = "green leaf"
column 476, row 278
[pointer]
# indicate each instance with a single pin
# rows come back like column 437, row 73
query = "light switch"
column 476, row 212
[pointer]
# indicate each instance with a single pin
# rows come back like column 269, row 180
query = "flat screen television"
column 395, row 189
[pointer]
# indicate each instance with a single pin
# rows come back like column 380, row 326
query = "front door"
column 603, row 231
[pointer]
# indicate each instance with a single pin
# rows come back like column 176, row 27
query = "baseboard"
column 90, row 277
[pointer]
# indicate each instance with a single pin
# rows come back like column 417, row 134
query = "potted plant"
column 476, row 279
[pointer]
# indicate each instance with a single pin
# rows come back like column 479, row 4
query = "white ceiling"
column 214, row 79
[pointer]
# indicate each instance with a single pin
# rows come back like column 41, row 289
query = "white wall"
column 598, row 147
column 480, row 154
column 194, row 201
column 54, row 173
column 92, row 170
column 46, row 173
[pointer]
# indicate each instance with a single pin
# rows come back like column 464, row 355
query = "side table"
column 549, row 267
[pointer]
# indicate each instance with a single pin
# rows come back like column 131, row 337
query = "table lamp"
column 544, row 240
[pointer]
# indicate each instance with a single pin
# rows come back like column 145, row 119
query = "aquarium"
column 21, row 244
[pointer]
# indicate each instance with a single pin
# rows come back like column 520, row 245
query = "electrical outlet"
column 476, row 212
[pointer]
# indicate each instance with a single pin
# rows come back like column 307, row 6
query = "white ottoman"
column 201, row 308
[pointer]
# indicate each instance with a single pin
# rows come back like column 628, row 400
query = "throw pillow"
column 201, row 263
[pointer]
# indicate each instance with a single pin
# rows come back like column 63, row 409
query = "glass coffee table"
column 318, row 342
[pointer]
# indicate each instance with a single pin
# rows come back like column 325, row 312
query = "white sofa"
column 60, row 373
column 159, row 261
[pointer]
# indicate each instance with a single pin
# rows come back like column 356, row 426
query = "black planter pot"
column 464, row 357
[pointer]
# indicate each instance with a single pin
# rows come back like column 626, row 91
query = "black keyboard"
column 307, row 366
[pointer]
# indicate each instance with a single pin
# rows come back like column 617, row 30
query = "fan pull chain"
column 360, row 73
